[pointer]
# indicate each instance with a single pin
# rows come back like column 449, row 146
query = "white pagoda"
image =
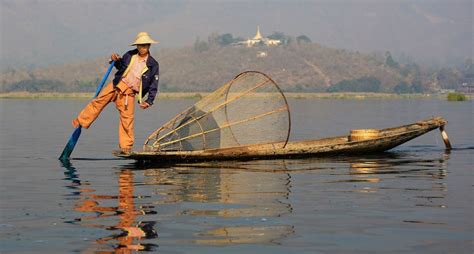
column 258, row 39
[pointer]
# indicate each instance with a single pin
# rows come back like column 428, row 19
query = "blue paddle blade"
column 71, row 144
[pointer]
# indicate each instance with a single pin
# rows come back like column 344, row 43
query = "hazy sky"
column 42, row 32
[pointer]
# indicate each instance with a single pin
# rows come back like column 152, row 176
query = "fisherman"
column 137, row 74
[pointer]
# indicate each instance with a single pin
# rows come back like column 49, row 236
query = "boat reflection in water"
column 228, row 203
column 248, row 194
column 245, row 194
column 373, row 171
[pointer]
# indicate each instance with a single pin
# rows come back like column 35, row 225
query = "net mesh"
column 250, row 109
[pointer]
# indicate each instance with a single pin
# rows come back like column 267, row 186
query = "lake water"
column 417, row 198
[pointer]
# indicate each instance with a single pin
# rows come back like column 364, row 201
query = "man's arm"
column 154, row 86
column 118, row 60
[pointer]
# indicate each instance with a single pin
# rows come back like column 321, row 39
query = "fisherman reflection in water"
column 137, row 74
column 132, row 232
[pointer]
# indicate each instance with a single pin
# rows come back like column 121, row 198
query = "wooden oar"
column 77, row 132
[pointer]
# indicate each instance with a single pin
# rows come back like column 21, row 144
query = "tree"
column 416, row 86
column 279, row 36
column 303, row 39
column 38, row 85
column 212, row 39
column 364, row 84
column 448, row 78
column 402, row 87
column 389, row 60
column 225, row 39
column 200, row 46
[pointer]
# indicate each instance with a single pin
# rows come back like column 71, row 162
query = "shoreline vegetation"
column 198, row 95
column 457, row 97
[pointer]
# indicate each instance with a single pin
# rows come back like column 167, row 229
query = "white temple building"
column 258, row 39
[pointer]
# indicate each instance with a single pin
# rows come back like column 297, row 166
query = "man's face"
column 143, row 48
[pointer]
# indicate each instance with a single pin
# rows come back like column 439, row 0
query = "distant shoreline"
column 197, row 95
column 73, row 95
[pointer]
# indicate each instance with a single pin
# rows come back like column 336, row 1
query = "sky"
column 37, row 33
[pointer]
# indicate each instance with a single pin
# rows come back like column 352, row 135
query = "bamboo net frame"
column 249, row 109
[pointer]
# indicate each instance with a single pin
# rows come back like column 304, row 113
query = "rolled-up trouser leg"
column 125, row 105
column 88, row 115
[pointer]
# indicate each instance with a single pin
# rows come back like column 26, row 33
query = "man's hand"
column 115, row 57
column 144, row 105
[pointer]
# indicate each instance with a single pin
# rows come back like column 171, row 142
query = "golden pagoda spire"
column 258, row 36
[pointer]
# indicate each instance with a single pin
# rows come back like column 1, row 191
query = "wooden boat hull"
column 341, row 145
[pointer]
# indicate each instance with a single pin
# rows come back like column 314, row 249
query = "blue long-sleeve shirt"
column 149, row 79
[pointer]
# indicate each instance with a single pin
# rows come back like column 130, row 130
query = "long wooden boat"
column 341, row 145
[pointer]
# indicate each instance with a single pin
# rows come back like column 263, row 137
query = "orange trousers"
column 123, row 97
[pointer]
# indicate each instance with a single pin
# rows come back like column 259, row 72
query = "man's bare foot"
column 75, row 123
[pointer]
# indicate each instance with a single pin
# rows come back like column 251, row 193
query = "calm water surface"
column 417, row 198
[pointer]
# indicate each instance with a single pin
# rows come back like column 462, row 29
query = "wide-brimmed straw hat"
column 143, row 38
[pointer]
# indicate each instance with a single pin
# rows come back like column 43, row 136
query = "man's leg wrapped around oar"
column 92, row 111
column 123, row 97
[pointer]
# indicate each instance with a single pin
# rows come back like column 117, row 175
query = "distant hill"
column 295, row 67
column 306, row 67
column 40, row 33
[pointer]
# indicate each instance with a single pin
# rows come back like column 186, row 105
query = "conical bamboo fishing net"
column 250, row 109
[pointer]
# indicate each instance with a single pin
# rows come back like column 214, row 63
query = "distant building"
column 258, row 39
column 466, row 88
column 445, row 91
column 262, row 54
